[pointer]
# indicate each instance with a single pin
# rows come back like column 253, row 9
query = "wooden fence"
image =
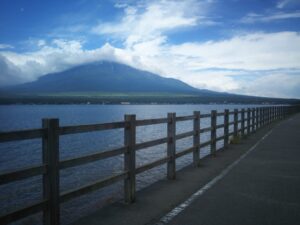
column 51, row 165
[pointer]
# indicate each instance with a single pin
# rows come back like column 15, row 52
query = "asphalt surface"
column 263, row 188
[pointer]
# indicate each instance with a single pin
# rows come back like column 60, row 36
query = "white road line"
column 178, row 209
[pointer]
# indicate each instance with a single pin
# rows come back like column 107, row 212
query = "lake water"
column 19, row 154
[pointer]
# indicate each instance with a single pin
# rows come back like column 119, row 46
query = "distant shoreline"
column 143, row 103
column 137, row 99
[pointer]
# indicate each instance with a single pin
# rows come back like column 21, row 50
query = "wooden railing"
column 51, row 165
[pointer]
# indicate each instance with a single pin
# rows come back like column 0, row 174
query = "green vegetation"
column 235, row 140
column 115, row 94
column 136, row 98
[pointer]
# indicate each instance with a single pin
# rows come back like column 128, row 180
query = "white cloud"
column 282, row 3
column 251, row 52
column 120, row 5
column 287, row 3
column 253, row 17
column 5, row 46
column 9, row 73
column 41, row 43
column 272, row 85
column 152, row 20
column 59, row 56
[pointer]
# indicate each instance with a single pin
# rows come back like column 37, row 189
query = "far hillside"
column 114, row 83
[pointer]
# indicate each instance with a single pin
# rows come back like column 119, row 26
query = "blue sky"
column 239, row 46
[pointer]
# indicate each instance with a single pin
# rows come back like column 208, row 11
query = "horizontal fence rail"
column 243, row 123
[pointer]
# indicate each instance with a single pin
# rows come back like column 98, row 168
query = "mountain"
column 114, row 83
column 104, row 77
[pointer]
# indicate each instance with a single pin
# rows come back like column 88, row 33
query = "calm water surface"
column 19, row 154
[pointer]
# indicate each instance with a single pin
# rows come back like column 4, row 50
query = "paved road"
column 262, row 189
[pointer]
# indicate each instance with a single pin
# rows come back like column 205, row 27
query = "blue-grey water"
column 20, row 154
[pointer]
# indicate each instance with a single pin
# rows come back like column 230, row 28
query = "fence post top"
column 171, row 114
column 50, row 119
column 196, row 113
column 129, row 116
column 171, row 117
column 226, row 110
column 46, row 122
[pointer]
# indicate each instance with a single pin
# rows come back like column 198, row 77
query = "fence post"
column 257, row 118
column 171, row 167
column 264, row 116
column 271, row 114
column 50, row 146
column 129, row 157
column 284, row 111
column 248, row 121
column 261, row 117
column 226, row 128
column 196, row 139
column 243, row 123
column 268, row 115
column 253, row 120
column 235, row 125
column 213, row 134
